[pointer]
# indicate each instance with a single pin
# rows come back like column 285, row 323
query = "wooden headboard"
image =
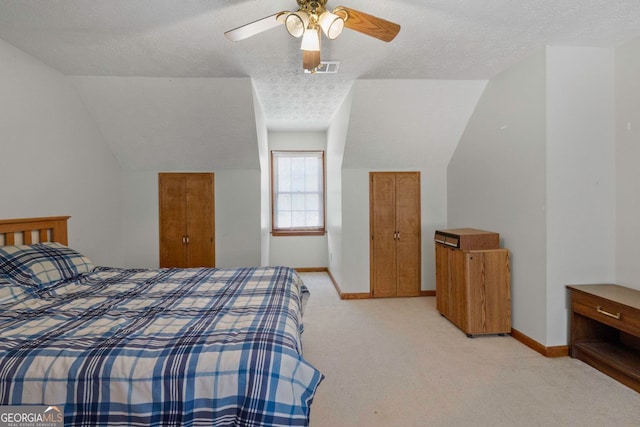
column 33, row 230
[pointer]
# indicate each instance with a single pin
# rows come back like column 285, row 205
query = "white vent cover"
column 326, row 67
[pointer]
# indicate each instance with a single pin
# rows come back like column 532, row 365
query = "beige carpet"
column 397, row 362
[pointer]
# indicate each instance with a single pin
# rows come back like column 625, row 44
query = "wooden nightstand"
column 605, row 330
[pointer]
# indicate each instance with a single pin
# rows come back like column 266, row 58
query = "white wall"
column 298, row 251
column 536, row 164
column 336, row 139
column 496, row 181
column 434, row 217
column 627, row 60
column 580, row 176
column 355, row 224
column 237, row 217
column 141, row 239
column 165, row 123
column 408, row 122
column 265, row 186
column 400, row 125
column 355, row 231
column 53, row 160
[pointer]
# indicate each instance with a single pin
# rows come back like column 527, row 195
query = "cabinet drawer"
column 608, row 312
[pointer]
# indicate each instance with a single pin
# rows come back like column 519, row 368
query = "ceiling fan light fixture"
column 311, row 19
column 331, row 24
column 297, row 23
column 311, row 40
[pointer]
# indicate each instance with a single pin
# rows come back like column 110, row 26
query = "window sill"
column 281, row 233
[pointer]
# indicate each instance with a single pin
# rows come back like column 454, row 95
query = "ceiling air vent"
column 326, row 67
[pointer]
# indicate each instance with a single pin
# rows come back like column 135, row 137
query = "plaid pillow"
column 11, row 292
column 42, row 265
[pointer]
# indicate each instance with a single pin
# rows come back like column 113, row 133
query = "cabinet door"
column 457, row 291
column 383, row 249
column 488, row 287
column 442, row 279
column 173, row 216
column 200, row 220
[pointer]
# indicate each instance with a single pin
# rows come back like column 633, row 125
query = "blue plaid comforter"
column 163, row 347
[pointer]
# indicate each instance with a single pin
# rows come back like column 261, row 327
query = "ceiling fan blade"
column 310, row 59
column 368, row 24
column 255, row 27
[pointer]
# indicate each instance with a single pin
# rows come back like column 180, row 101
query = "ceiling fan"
column 310, row 20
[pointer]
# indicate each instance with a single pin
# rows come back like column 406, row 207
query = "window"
column 297, row 192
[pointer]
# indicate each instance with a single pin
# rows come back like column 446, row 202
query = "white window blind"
column 298, row 191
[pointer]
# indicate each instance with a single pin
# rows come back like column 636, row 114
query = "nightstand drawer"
column 608, row 312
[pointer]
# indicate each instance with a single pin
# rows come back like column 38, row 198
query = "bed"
column 137, row 347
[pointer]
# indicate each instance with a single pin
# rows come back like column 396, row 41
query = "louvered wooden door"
column 187, row 224
column 395, row 234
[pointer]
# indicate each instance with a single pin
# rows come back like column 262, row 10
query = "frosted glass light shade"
column 311, row 40
column 331, row 25
column 297, row 23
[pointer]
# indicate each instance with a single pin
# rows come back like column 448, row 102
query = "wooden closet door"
column 187, row 225
column 173, row 216
column 200, row 221
column 383, row 248
column 408, row 237
column 395, row 234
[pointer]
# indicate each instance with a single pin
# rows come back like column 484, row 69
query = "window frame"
column 298, row 231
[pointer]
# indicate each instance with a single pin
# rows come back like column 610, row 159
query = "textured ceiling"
column 439, row 39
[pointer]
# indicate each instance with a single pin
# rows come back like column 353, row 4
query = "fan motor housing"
column 312, row 6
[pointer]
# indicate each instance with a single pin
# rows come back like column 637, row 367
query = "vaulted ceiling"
column 165, row 64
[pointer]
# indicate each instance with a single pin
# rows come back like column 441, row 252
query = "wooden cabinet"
column 187, row 225
column 473, row 288
column 605, row 330
column 394, row 220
